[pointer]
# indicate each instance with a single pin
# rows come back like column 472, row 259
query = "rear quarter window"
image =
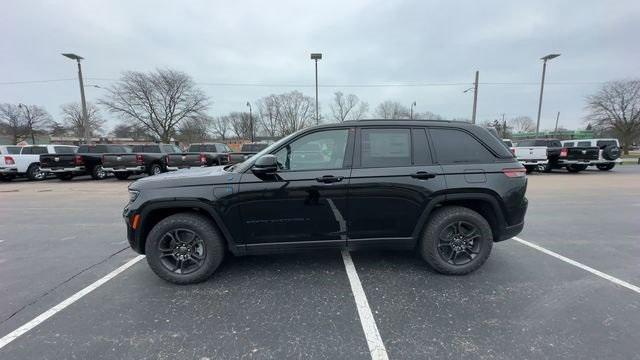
column 454, row 146
column 13, row 150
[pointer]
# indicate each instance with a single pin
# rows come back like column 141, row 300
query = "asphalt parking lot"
column 56, row 238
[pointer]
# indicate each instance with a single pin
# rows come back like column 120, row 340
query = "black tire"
column 576, row 168
column 546, row 168
column 208, row 237
column 64, row 176
column 611, row 152
column 34, row 173
column 155, row 169
column 605, row 167
column 434, row 249
column 122, row 175
column 97, row 173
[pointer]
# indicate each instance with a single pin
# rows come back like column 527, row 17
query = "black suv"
column 447, row 189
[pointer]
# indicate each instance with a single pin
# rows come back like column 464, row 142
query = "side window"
column 458, row 147
column 584, row 143
column 568, row 144
column 39, row 150
column 194, row 148
column 316, row 151
column 421, row 152
column 64, row 149
column 27, row 150
column 83, row 149
column 385, row 147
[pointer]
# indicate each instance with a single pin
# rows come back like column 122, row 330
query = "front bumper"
column 75, row 169
column 125, row 169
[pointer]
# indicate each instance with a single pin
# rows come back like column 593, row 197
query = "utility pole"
column 250, row 121
column 475, row 97
column 504, row 126
column 316, row 57
column 555, row 132
column 85, row 122
column 544, row 69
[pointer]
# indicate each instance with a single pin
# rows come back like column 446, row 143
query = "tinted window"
column 319, row 150
column 83, row 149
column 584, row 143
column 146, row 148
column 223, row 148
column 568, row 144
column 27, row 151
column 64, row 149
column 421, row 152
column 13, row 150
column 603, row 143
column 385, row 147
column 194, row 148
column 553, row 143
column 526, row 143
column 208, row 148
column 455, row 146
column 169, row 148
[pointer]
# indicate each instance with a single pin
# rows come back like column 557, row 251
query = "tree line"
column 166, row 104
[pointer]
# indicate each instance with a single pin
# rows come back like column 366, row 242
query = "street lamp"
column 412, row 105
column 316, row 57
column 250, row 121
column 544, row 69
column 85, row 120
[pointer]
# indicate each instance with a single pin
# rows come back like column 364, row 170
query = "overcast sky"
column 364, row 43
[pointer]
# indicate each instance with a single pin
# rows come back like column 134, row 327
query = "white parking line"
column 374, row 341
column 614, row 280
column 75, row 297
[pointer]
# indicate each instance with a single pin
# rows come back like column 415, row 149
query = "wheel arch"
column 153, row 213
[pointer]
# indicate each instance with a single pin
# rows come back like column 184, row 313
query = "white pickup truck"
column 26, row 160
column 531, row 157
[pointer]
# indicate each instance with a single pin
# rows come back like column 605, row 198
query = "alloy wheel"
column 182, row 251
column 459, row 243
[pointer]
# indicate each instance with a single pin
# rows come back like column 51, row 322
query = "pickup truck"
column 574, row 159
column 199, row 155
column 246, row 151
column 148, row 158
column 608, row 156
column 87, row 160
column 25, row 160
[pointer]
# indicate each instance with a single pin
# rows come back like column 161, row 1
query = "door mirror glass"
column 265, row 165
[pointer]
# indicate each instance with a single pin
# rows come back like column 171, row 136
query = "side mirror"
column 265, row 165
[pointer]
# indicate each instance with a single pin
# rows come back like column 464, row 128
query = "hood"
column 187, row 177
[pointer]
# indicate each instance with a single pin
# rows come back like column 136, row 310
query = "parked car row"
column 574, row 155
column 37, row 162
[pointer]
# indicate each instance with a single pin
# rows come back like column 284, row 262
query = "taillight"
column 515, row 173
column 9, row 160
column 564, row 152
column 203, row 159
column 139, row 159
column 78, row 160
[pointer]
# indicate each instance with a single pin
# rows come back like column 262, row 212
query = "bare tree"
column 616, row 108
column 240, row 124
column 392, row 110
column 74, row 120
column 194, row 129
column 135, row 131
column 220, row 127
column 13, row 122
column 36, row 119
column 158, row 100
column 269, row 114
column 427, row 115
column 347, row 107
column 58, row 129
column 522, row 124
column 296, row 111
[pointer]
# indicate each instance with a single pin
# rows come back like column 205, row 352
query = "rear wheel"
column 456, row 241
column 576, row 168
column 34, row 173
column 64, row 176
column 155, row 169
column 605, row 167
column 184, row 248
column 122, row 175
column 98, row 173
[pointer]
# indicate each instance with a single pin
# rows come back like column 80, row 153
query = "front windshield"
column 245, row 165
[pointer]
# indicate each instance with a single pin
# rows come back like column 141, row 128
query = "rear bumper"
column 75, row 169
column 125, row 169
column 174, row 168
column 8, row 170
column 511, row 231
column 534, row 162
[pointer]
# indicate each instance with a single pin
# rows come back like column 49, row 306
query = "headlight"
column 133, row 195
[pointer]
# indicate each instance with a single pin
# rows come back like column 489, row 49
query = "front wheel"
column 456, row 241
column 184, row 248
column 606, row 167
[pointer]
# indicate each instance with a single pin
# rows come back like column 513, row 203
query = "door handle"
column 423, row 175
column 327, row 179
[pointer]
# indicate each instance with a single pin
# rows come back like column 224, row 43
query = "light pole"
column 250, row 121
column 316, row 57
column 85, row 120
column 412, row 105
column 544, row 70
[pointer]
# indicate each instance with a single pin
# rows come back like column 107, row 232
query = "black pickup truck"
column 198, row 155
column 246, row 151
column 147, row 158
column 87, row 160
column 574, row 159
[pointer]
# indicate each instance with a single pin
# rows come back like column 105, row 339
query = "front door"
column 306, row 201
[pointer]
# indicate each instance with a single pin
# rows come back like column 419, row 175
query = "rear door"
column 393, row 180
